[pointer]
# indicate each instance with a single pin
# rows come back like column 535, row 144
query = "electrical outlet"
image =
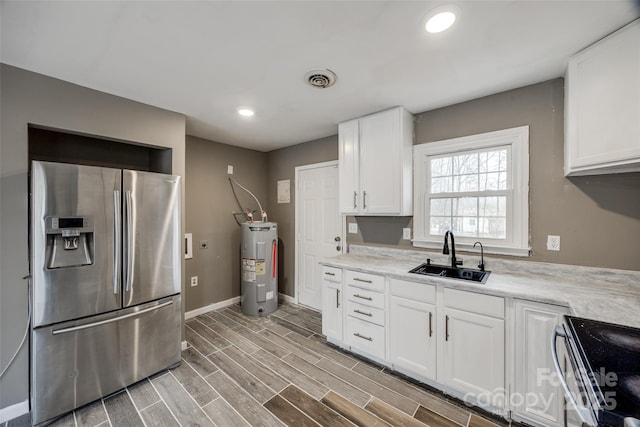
column 353, row 228
column 406, row 233
column 204, row 244
column 194, row 280
column 553, row 243
column 229, row 170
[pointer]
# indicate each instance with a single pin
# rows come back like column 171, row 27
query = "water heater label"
column 261, row 269
column 270, row 295
column 249, row 269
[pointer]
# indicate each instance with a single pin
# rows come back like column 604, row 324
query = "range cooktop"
column 612, row 355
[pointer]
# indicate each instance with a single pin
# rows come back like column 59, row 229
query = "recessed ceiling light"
column 440, row 19
column 246, row 112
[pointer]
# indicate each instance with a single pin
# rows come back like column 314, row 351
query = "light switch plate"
column 353, row 228
column 229, row 170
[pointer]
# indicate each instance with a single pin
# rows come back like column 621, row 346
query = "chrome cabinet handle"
column 430, row 324
column 116, row 241
column 337, row 298
column 363, row 312
column 364, row 200
column 361, row 297
column 357, row 279
column 329, row 273
column 363, row 337
column 559, row 331
column 446, row 328
column 355, row 200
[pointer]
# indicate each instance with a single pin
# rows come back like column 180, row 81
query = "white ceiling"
column 207, row 58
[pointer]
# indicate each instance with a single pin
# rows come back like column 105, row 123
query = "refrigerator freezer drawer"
column 77, row 362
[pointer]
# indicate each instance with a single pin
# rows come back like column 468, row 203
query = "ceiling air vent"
column 320, row 78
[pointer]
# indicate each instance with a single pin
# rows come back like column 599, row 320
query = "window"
column 478, row 187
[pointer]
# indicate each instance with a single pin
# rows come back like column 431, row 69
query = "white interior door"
column 319, row 228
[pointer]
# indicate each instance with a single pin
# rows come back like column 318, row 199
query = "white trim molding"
column 14, row 411
column 207, row 308
column 286, row 298
column 516, row 140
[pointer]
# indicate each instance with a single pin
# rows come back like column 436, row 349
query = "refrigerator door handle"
column 113, row 319
column 129, row 237
column 117, row 232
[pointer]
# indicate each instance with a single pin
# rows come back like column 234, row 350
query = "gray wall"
column 33, row 98
column 281, row 165
column 596, row 217
column 209, row 203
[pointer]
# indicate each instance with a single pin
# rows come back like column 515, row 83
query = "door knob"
column 337, row 239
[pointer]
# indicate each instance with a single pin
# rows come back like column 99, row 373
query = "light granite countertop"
column 596, row 293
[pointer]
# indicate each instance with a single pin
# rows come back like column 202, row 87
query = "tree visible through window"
column 476, row 186
column 469, row 193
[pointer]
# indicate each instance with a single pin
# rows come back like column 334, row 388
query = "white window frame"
column 517, row 240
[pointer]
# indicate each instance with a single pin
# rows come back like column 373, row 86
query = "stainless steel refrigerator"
column 106, row 278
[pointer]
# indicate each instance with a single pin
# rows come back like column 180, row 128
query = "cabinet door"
column 332, row 310
column 473, row 356
column 603, row 106
column 349, row 167
column 540, row 397
column 412, row 336
column 380, row 162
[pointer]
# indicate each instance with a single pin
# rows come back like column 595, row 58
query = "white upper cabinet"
column 375, row 169
column 602, row 106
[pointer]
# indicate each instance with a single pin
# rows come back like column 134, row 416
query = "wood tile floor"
column 271, row 371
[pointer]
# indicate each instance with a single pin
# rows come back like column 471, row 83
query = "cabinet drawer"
column 364, row 280
column 369, row 314
column 365, row 337
column 413, row 291
column 472, row 302
column 332, row 274
column 365, row 296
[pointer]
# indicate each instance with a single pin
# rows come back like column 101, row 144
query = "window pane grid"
column 472, row 171
column 477, row 216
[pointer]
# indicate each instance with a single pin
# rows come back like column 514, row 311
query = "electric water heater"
column 259, row 268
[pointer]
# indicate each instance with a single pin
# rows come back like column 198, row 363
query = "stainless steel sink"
column 469, row 274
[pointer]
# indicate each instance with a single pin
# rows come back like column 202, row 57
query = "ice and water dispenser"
column 69, row 241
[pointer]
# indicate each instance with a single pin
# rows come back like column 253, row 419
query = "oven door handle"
column 559, row 331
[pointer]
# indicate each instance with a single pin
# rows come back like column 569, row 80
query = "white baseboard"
column 211, row 307
column 14, row 411
column 287, row 298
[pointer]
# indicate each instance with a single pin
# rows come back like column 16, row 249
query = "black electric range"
column 610, row 354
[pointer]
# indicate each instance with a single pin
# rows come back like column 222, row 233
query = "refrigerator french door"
column 106, row 278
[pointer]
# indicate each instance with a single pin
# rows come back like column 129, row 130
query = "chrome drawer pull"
column 430, row 321
column 362, row 312
column 363, row 337
column 329, row 274
column 361, row 297
column 357, row 279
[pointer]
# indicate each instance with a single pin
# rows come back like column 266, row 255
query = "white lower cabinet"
column 450, row 339
column 473, row 346
column 332, row 303
column 473, row 356
column 412, row 328
column 364, row 330
column 537, row 395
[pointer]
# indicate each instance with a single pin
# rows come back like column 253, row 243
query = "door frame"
column 298, row 169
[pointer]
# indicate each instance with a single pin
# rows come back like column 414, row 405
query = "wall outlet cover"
column 353, row 228
column 406, row 233
column 194, row 280
column 229, row 170
column 553, row 243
